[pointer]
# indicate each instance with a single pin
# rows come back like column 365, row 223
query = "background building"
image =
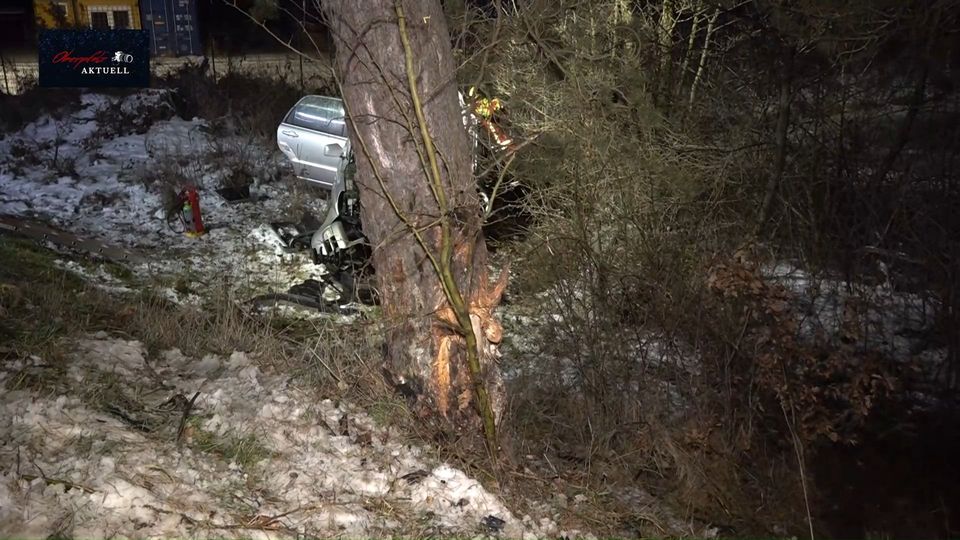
column 103, row 14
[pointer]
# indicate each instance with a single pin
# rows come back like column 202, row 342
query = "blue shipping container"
column 172, row 25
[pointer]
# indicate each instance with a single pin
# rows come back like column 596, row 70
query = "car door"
column 313, row 135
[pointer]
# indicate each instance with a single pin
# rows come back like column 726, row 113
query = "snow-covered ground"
column 828, row 309
column 891, row 322
column 103, row 447
column 100, row 172
column 100, row 277
column 260, row 456
column 95, row 454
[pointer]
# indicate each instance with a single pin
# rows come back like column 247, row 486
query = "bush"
column 235, row 103
column 34, row 102
column 636, row 367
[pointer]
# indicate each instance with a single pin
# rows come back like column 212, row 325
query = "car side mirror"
column 333, row 150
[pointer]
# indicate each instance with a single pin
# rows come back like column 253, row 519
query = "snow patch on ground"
column 98, row 457
column 888, row 321
column 89, row 174
column 99, row 276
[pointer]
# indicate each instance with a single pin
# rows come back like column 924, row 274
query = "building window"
column 105, row 17
column 121, row 19
column 99, row 20
column 59, row 10
column 58, row 13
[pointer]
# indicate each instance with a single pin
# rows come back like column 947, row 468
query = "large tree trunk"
column 426, row 352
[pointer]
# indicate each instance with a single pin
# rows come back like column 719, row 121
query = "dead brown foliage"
column 824, row 391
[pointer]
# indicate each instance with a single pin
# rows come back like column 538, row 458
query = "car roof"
column 317, row 99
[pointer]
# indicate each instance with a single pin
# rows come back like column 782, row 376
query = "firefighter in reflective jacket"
column 484, row 108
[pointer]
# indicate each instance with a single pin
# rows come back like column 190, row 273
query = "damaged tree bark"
column 421, row 209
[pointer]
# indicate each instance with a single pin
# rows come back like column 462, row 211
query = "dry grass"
column 336, row 358
column 33, row 318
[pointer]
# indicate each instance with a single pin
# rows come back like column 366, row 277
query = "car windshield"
column 320, row 113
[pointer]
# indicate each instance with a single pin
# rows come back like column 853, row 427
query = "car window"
column 319, row 114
